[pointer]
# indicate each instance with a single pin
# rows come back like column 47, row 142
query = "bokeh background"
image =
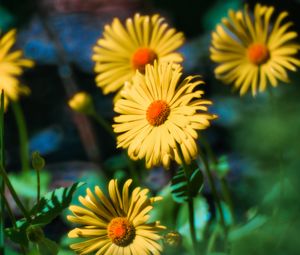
column 257, row 139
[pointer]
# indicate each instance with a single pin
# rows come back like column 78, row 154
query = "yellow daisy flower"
column 252, row 51
column 158, row 112
column 11, row 66
column 116, row 224
column 125, row 49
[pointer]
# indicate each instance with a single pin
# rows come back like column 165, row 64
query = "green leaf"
column 196, row 182
column 25, row 183
column 179, row 187
column 48, row 247
column 50, row 206
column 53, row 203
column 17, row 235
column 222, row 168
column 248, row 228
column 183, row 189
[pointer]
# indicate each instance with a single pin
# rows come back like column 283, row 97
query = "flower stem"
column 102, row 122
column 224, row 184
column 13, row 193
column 213, row 189
column 8, row 209
column 22, row 129
column 2, row 218
column 38, row 194
column 2, row 186
column 190, row 202
column 227, row 197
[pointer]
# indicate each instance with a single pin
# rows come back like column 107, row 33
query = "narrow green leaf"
column 48, row 247
column 50, row 206
column 182, row 188
column 53, row 203
column 196, row 182
column 248, row 228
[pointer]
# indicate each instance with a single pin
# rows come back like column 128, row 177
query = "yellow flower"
column 158, row 113
column 125, row 49
column 11, row 66
column 252, row 51
column 82, row 102
column 116, row 224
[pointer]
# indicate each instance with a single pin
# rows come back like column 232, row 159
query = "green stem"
column 227, row 197
column 13, row 193
column 224, row 183
column 212, row 240
column 102, row 122
column 190, row 203
column 38, row 187
column 213, row 189
column 8, row 209
column 274, row 111
column 22, row 129
column 132, row 171
column 2, row 186
column 2, row 218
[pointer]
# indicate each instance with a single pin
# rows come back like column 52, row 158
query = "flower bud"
column 38, row 162
column 82, row 102
column 173, row 239
column 35, row 233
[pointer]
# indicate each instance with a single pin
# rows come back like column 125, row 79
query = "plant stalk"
column 13, row 193
column 23, row 136
column 102, row 122
column 190, row 203
column 213, row 189
column 2, row 186
column 38, row 196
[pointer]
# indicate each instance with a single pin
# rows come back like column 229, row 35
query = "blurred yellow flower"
column 82, row 102
column 125, row 49
column 159, row 113
column 116, row 224
column 11, row 66
column 252, row 51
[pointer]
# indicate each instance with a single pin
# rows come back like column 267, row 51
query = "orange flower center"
column 258, row 53
column 142, row 57
column 121, row 231
column 157, row 112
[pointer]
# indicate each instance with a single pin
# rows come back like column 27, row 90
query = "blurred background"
column 256, row 139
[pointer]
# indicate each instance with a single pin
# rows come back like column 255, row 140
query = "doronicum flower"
column 123, row 49
column 159, row 113
column 117, row 224
column 252, row 51
column 11, row 66
column 82, row 102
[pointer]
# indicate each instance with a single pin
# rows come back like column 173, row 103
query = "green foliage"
column 53, row 203
column 248, row 228
column 25, row 183
column 47, row 247
column 202, row 217
column 184, row 187
column 49, row 207
column 222, row 168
